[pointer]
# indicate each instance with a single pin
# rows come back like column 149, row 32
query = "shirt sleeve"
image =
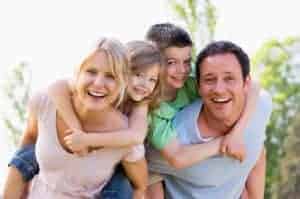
column 161, row 132
column 136, row 153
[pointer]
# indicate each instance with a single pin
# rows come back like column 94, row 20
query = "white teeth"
column 220, row 99
column 96, row 94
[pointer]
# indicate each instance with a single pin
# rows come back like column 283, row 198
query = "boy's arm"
column 134, row 134
column 181, row 156
column 137, row 172
column 233, row 143
column 15, row 184
column 255, row 184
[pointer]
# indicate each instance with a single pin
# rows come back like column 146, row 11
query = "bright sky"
column 53, row 36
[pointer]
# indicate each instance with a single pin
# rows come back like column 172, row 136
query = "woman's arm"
column 137, row 172
column 15, row 184
column 233, row 143
column 181, row 156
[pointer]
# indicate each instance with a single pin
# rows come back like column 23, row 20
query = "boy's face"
column 178, row 66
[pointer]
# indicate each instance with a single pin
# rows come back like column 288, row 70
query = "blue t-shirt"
column 216, row 177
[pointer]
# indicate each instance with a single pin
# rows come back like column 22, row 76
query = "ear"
column 247, row 83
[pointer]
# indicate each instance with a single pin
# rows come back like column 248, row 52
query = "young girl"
column 97, row 90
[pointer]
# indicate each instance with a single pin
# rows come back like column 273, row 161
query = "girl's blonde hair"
column 117, row 59
column 144, row 54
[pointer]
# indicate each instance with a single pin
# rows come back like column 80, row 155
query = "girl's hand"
column 76, row 141
column 233, row 145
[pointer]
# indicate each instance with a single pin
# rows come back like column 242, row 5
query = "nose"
column 219, row 86
column 182, row 68
column 99, row 80
column 143, row 84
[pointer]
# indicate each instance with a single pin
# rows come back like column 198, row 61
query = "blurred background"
column 41, row 41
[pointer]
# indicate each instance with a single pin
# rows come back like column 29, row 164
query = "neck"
column 213, row 127
column 88, row 116
column 169, row 93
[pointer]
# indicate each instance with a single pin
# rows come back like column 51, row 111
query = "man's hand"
column 76, row 141
column 233, row 145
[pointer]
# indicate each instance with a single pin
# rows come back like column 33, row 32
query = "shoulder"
column 264, row 104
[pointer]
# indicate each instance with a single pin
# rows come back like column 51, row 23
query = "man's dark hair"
column 223, row 47
column 166, row 35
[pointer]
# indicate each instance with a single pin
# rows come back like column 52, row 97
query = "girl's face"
column 141, row 83
column 96, row 85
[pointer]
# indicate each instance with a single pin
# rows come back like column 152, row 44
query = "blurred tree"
column 199, row 18
column 277, row 62
column 289, row 186
column 16, row 92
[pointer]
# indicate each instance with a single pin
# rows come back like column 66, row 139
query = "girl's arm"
column 233, row 143
column 133, row 135
column 60, row 93
column 15, row 185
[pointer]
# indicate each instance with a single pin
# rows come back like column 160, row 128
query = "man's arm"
column 137, row 172
column 181, row 156
column 255, row 184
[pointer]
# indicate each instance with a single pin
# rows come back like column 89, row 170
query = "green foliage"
column 278, row 75
column 199, row 18
column 16, row 93
column 289, row 185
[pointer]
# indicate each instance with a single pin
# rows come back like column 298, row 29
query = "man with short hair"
column 223, row 80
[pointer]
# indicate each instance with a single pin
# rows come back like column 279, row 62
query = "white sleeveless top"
column 64, row 175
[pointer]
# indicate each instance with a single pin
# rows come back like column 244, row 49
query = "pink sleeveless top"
column 64, row 175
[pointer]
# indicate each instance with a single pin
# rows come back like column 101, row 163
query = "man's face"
column 178, row 66
column 222, row 88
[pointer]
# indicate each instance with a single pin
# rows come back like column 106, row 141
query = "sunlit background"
column 52, row 37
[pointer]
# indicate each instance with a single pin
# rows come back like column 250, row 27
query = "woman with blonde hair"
column 97, row 90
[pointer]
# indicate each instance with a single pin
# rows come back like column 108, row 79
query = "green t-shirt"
column 161, row 130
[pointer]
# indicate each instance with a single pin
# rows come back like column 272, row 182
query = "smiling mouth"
column 140, row 91
column 221, row 100
column 96, row 94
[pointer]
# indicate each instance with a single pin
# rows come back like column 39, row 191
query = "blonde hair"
column 117, row 59
column 144, row 54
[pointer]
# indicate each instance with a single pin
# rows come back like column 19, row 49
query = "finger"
column 68, row 131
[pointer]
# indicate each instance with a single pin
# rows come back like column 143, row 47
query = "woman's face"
column 141, row 83
column 96, row 86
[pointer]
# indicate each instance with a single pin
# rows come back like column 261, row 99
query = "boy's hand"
column 76, row 141
column 233, row 145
